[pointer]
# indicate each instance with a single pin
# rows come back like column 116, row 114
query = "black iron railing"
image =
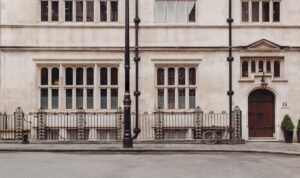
column 105, row 126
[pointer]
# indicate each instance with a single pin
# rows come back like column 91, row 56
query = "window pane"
column 90, row 76
column 245, row 69
column 160, row 98
column 44, row 10
column 69, row 76
column 260, row 66
column 114, row 11
column 79, row 76
column 69, row 99
column 114, row 99
column 266, row 11
column 79, row 11
column 171, row 16
column 103, row 11
column 103, row 76
column 44, row 98
column 55, row 10
column 192, row 11
column 114, row 76
column 160, row 11
column 69, row 11
column 55, row 76
column 192, row 98
column 44, row 76
column 181, row 11
column 160, row 76
column 171, row 76
column 255, row 11
column 54, row 98
column 253, row 66
column 90, row 99
column 171, row 98
column 245, row 11
column 79, row 98
column 192, row 76
column 103, row 99
column 90, row 11
column 269, row 66
column 181, row 76
column 276, row 11
column 181, row 98
column 276, row 69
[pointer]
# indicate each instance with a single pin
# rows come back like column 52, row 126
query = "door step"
column 262, row 139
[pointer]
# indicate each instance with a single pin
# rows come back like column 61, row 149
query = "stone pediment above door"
column 264, row 45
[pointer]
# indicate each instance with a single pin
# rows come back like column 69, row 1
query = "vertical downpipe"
column 137, row 59
column 230, row 59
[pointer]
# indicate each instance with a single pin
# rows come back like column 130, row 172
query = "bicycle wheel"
column 210, row 137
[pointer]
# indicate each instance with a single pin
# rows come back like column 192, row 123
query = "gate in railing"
column 83, row 125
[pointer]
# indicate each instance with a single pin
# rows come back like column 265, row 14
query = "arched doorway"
column 261, row 113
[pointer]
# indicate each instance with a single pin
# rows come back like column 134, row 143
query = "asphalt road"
column 205, row 165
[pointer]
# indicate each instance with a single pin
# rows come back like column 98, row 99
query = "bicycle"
column 215, row 135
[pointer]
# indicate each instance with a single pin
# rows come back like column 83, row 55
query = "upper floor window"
column 257, row 65
column 175, row 11
column 260, row 10
column 176, row 87
column 51, row 6
column 80, row 10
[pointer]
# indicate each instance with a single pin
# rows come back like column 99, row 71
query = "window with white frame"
column 257, row 65
column 260, row 10
column 176, row 87
column 109, row 10
column 87, row 87
column 49, row 10
column 175, row 11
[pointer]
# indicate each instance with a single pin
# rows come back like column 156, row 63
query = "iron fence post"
column 198, row 117
column 19, row 123
column 81, row 123
column 41, row 119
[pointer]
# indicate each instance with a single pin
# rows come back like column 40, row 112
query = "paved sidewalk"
column 248, row 147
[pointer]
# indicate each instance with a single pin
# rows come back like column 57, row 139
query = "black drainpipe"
column 230, row 59
column 137, row 59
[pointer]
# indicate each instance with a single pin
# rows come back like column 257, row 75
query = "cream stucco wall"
column 25, row 42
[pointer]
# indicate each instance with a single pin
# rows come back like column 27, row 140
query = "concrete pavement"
column 249, row 147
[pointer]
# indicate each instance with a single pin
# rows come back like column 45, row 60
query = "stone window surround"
column 62, row 87
column 176, row 86
column 61, row 12
column 260, row 12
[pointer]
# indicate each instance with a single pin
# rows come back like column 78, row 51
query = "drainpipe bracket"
column 230, row 59
column 230, row 93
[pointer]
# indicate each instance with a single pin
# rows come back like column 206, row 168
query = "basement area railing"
column 108, row 126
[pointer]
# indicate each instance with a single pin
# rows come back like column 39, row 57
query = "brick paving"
column 251, row 147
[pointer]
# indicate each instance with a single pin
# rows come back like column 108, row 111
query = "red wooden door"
column 261, row 114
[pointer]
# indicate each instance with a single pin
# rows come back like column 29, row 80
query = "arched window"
column 79, row 76
column 181, row 76
column 55, row 76
column 245, row 69
column 171, row 76
column 44, row 76
column 69, row 76
column 90, row 76
column 192, row 76
column 114, row 76
column 160, row 76
column 103, row 76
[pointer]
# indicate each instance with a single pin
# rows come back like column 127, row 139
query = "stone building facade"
column 66, row 54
